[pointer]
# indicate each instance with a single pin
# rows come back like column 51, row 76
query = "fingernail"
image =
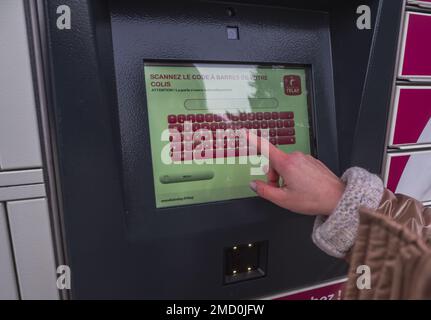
column 253, row 186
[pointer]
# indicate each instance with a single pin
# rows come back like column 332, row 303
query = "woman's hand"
column 307, row 186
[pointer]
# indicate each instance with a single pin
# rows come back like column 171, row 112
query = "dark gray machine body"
column 117, row 243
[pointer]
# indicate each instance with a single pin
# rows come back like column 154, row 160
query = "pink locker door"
column 410, row 174
column 415, row 60
column 411, row 120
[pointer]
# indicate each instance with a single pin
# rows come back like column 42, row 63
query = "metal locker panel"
column 16, row 178
column 22, row 192
column 33, row 248
column 420, row 3
column 8, row 287
column 19, row 136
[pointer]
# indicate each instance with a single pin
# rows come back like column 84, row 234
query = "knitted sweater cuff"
column 336, row 234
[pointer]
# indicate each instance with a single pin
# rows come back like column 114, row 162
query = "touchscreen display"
column 196, row 115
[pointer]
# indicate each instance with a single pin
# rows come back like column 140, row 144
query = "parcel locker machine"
column 136, row 220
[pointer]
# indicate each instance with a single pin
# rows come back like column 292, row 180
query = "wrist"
column 334, row 197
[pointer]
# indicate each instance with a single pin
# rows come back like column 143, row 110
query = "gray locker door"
column 32, row 245
column 8, row 287
column 19, row 136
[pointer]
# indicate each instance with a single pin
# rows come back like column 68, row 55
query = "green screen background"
column 230, row 181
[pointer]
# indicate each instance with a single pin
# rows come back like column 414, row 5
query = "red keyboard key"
column 259, row 115
column 177, row 146
column 273, row 141
column 289, row 123
column 231, row 143
column 197, row 145
column 205, row 126
column 286, row 115
column 221, row 144
column 242, row 143
column 204, row 154
column 187, row 156
column 251, row 116
column 188, row 127
column 209, row 117
column 231, row 134
column 214, row 126
column 279, row 124
column 196, row 126
column 271, row 124
column 223, row 125
column 188, row 146
column 234, row 117
column 190, row 118
column 207, row 144
column 220, row 134
column 200, row 118
column 237, row 142
column 209, row 154
column 242, row 133
column 176, row 156
column 267, row 115
column 188, row 137
column 265, row 133
column 286, row 132
column 175, row 136
column 286, row 140
column 218, row 118
column 172, row 119
column 180, row 127
column 264, row 124
column 255, row 125
column 243, row 116
column 247, row 125
column 274, row 115
column 181, row 118
column 237, row 125
column 229, row 126
column 272, row 132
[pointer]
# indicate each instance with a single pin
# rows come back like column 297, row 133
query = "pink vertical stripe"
column 396, row 169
